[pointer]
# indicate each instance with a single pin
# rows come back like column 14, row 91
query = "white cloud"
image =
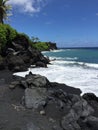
column 28, row 6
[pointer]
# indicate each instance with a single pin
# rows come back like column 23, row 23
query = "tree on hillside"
column 4, row 10
column 34, row 39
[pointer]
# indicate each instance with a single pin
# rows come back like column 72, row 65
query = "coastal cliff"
column 17, row 52
column 44, row 46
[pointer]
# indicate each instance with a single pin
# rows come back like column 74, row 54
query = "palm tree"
column 4, row 10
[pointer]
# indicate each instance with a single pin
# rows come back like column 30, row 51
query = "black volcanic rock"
column 64, row 107
column 52, row 46
column 17, row 59
column 21, row 40
column 33, row 102
column 2, row 65
column 40, row 64
column 90, row 97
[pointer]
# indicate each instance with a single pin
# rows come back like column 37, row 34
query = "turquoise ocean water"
column 77, row 55
column 74, row 67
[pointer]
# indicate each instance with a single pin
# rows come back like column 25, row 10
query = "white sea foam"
column 57, row 58
column 60, row 61
column 61, row 58
column 59, row 50
column 80, row 77
column 44, row 52
column 69, row 58
column 92, row 65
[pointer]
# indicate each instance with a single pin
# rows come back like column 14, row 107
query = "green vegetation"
column 7, row 34
column 41, row 46
column 35, row 39
column 4, row 10
column 37, row 44
column 23, row 35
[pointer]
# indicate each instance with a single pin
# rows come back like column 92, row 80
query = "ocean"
column 75, row 67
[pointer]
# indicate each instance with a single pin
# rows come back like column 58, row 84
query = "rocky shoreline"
column 35, row 103
column 20, row 55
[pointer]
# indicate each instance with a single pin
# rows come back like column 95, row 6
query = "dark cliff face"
column 20, row 55
column 52, row 46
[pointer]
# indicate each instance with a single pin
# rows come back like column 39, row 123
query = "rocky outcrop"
column 40, row 64
column 15, row 63
column 2, row 65
column 62, row 104
column 20, row 57
column 52, row 46
column 22, row 40
column 34, row 97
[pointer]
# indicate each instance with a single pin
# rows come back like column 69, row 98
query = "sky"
column 69, row 23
